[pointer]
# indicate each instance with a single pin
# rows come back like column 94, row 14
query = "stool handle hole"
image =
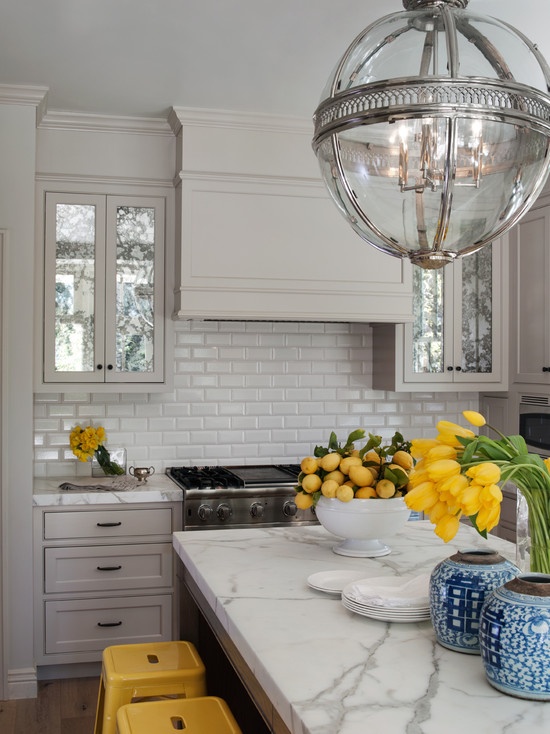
column 178, row 723
column 153, row 659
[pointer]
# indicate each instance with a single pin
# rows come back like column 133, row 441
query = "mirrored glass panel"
column 135, row 280
column 477, row 312
column 75, row 228
column 428, row 328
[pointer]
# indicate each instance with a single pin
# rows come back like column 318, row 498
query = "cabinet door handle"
column 109, row 624
column 109, row 568
column 108, row 524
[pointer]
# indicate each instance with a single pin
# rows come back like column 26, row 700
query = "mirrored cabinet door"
column 103, row 290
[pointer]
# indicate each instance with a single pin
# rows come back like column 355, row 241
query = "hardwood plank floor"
column 62, row 707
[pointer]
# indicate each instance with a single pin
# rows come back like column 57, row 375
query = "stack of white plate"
column 389, row 599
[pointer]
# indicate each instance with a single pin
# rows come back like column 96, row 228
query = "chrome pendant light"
column 433, row 132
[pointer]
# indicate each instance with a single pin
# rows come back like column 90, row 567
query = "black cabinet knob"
column 99, row 366
column 449, row 368
column 458, row 369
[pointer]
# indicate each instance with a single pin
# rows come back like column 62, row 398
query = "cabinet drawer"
column 91, row 625
column 108, row 568
column 107, row 523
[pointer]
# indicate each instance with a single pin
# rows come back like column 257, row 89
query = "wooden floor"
column 62, row 707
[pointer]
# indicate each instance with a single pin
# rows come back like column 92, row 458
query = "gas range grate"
column 234, row 477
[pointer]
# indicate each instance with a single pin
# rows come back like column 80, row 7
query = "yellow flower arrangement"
column 88, row 442
column 459, row 473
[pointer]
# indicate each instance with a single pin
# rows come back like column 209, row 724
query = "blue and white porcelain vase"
column 458, row 586
column 515, row 637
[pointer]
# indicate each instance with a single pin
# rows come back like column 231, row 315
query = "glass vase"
column 533, row 531
column 109, row 462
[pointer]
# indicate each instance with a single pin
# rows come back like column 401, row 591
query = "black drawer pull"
column 109, row 568
column 109, row 624
column 108, row 524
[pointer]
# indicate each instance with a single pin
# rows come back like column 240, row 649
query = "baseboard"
column 70, row 670
column 22, row 683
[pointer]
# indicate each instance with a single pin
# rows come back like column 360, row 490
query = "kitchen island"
column 313, row 667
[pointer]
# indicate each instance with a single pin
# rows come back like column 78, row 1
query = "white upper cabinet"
column 530, row 289
column 103, row 289
column 258, row 236
column 458, row 337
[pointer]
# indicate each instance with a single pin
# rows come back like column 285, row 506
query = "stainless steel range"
column 239, row 496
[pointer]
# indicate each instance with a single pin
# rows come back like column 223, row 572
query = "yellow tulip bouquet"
column 88, row 442
column 460, row 473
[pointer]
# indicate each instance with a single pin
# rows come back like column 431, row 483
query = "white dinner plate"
column 387, row 615
column 332, row 582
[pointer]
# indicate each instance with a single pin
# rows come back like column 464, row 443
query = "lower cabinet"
column 103, row 576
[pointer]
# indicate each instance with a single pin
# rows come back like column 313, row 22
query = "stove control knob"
column 224, row 512
column 257, row 509
column 290, row 509
column 204, row 512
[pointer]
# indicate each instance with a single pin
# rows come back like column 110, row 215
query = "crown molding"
column 35, row 96
column 180, row 116
column 61, row 120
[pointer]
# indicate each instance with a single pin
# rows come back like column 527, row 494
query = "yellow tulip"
column 488, row 517
column 442, row 451
column 416, row 477
column 547, row 463
column 442, row 469
column 486, row 473
column 421, row 446
column 448, row 433
column 422, row 498
column 470, row 499
column 453, row 485
column 437, row 512
column 491, row 494
column 447, row 527
column 475, row 419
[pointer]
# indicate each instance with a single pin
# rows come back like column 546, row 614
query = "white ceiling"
column 141, row 57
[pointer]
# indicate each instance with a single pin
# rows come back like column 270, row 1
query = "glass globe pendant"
column 433, row 132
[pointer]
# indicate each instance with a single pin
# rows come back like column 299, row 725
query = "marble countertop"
column 329, row 671
column 114, row 490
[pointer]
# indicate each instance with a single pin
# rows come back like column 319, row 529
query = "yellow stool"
column 146, row 670
column 208, row 715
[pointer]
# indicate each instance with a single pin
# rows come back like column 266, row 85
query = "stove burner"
column 235, row 477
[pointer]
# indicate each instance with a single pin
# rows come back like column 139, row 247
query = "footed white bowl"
column 361, row 523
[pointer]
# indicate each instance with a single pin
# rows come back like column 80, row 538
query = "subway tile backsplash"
column 244, row 392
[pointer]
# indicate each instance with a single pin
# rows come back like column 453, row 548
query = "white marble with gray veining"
column 329, row 671
column 115, row 490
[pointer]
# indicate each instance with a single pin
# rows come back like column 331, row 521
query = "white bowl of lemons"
column 361, row 523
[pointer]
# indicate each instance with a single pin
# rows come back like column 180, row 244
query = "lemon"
column 303, row 501
column 349, row 461
column 403, row 459
column 385, row 488
column 330, row 462
column 374, row 470
column 329, row 487
column 309, row 465
column 344, row 493
column 372, row 456
column 361, row 476
column 336, row 475
column 365, row 493
column 311, row 483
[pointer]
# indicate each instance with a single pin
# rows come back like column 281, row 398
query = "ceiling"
column 142, row 57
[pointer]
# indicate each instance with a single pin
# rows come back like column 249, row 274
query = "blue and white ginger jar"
column 458, row 586
column 515, row 637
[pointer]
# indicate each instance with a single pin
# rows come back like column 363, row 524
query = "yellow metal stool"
column 146, row 670
column 208, row 715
